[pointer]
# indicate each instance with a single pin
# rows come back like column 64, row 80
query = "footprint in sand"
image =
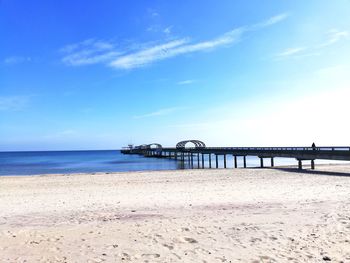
column 190, row 240
column 170, row 247
column 151, row 255
column 124, row 256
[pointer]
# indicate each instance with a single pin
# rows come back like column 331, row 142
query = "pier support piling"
column 183, row 154
column 300, row 164
column 261, row 162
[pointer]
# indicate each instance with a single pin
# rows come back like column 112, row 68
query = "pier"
column 198, row 151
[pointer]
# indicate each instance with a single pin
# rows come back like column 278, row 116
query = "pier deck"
column 301, row 154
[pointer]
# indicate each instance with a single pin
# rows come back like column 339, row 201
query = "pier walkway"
column 198, row 152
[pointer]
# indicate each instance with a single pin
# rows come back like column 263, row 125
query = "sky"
column 78, row 75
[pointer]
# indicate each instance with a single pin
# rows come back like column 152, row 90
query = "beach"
column 204, row 215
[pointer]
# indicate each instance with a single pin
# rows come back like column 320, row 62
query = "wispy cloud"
column 87, row 52
column 333, row 37
column 96, row 51
column 13, row 103
column 271, row 21
column 183, row 46
column 290, row 52
column 16, row 60
column 160, row 112
column 167, row 30
column 186, row 82
column 155, row 23
column 148, row 55
column 152, row 12
column 156, row 28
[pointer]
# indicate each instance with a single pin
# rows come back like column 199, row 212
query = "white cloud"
column 167, row 30
column 333, row 36
column 88, row 52
column 173, row 48
column 290, row 52
column 147, row 55
column 186, row 82
column 161, row 112
column 13, row 103
column 158, row 28
column 84, row 58
column 153, row 13
column 96, row 51
column 271, row 21
column 88, row 43
column 16, row 60
column 183, row 46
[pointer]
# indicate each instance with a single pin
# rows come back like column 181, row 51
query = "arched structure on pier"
column 197, row 144
column 155, row 146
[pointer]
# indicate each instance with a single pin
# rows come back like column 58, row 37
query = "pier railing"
column 299, row 153
column 323, row 148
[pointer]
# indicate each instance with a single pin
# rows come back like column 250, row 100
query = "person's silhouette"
column 313, row 146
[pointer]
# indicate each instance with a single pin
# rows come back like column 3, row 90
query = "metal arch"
column 158, row 146
column 197, row 144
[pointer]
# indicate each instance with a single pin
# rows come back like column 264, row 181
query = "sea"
column 68, row 162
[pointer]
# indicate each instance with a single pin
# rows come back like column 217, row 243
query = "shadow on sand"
column 308, row 171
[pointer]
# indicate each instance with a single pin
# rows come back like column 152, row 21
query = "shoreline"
column 292, row 166
column 212, row 215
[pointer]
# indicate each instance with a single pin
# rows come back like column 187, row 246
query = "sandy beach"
column 225, row 215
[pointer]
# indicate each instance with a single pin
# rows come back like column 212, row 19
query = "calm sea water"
column 50, row 162
column 33, row 163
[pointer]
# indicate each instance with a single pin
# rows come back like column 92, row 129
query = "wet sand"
column 225, row 215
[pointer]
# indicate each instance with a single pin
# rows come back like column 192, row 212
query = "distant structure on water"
column 199, row 149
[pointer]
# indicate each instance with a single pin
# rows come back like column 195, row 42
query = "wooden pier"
column 198, row 152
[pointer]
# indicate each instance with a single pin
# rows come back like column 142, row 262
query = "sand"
column 225, row 215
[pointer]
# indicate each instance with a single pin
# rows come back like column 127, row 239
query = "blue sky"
column 102, row 74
